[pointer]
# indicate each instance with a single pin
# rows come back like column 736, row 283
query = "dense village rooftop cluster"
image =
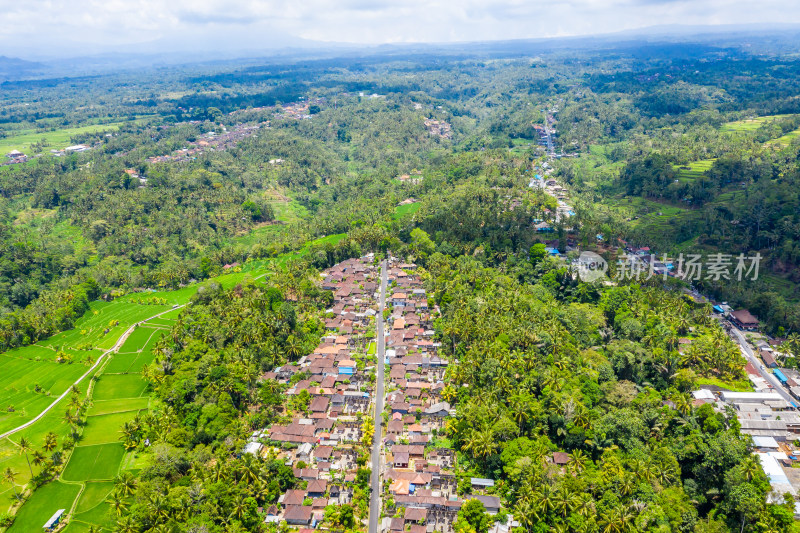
column 335, row 378
column 439, row 128
column 420, row 473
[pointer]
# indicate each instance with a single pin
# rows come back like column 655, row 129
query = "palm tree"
column 683, row 404
column 239, row 507
column 11, row 476
column 126, row 483
column 545, row 498
column 584, row 505
column 127, row 525
column 564, row 501
column 526, row 513
column 50, row 441
column 25, row 448
column 578, row 461
column 117, row 500
column 616, row 520
column 39, row 458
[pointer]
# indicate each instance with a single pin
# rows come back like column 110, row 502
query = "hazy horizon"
column 60, row 28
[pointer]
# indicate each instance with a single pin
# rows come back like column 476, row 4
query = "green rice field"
column 104, row 429
column 106, row 407
column 41, row 506
column 19, row 398
column 58, row 139
column 100, row 461
column 785, row 140
column 117, row 386
column 93, row 495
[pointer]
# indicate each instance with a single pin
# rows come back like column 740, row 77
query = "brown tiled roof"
column 294, row 497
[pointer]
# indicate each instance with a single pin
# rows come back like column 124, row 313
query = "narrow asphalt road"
column 380, row 354
column 114, row 348
column 766, row 374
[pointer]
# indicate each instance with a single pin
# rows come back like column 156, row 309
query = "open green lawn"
column 117, row 386
column 98, row 462
column 44, row 502
column 104, row 429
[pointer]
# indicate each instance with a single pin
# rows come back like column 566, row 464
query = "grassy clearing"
column 104, row 429
column 118, row 386
column 402, row 210
column 742, row 385
column 135, row 461
column 57, row 139
column 43, row 504
column 98, row 462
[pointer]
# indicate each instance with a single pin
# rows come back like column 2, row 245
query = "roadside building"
column 743, row 319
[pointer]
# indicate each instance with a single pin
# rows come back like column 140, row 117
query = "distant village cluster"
column 210, row 142
column 439, row 128
column 15, row 157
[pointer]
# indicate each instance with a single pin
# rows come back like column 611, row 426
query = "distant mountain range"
column 12, row 68
column 86, row 59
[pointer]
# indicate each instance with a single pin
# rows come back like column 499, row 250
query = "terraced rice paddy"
column 750, row 124
column 118, row 395
column 100, row 455
column 28, row 386
column 693, row 170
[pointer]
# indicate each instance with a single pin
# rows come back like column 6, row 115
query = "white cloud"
column 38, row 23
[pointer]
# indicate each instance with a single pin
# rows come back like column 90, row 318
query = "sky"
column 63, row 26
